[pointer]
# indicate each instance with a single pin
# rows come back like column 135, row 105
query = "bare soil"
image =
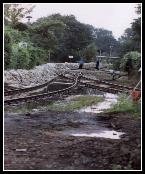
column 36, row 141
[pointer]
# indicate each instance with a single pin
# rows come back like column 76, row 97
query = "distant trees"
column 61, row 36
column 90, row 52
column 136, row 27
column 131, row 39
column 104, row 39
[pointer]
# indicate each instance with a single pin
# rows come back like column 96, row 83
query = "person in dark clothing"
column 81, row 63
column 129, row 66
column 97, row 64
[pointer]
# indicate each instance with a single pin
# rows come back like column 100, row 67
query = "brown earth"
column 37, row 141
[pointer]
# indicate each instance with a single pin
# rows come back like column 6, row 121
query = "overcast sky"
column 112, row 16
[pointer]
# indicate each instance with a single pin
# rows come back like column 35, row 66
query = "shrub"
column 126, row 105
column 131, row 61
column 37, row 56
column 19, row 58
column 7, row 50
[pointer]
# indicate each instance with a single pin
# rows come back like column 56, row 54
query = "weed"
column 126, row 105
column 76, row 103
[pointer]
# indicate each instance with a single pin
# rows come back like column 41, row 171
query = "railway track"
column 115, row 74
column 48, row 95
column 24, row 90
column 79, row 79
column 98, row 84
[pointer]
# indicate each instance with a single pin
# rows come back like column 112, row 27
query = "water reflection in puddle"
column 103, row 134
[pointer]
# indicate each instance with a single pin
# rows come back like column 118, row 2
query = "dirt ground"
column 41, row 141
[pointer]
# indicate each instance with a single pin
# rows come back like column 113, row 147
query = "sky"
column 115, row 17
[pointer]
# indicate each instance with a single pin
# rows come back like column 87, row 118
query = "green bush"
column 37, row 56
column 116, row 65
column 13, row 60
column 126, row 105
column 22, row 58
column 131, row 60
column 7, row 50
column 19, row 58
column 17, row 36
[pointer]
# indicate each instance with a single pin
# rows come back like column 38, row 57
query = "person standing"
column 81, row 63
column 97, row 64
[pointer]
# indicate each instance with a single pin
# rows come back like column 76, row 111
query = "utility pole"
column 100, row 52
column 110, row 50
column 49, row 56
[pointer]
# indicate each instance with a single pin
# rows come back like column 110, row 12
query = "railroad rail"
column 97, row 84
column 44, row 95
column 79, row 79
column 100, row 81
column 115, row 74
column 33, row 88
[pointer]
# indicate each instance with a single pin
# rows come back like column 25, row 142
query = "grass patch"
column 126, row 105
column 77, row 103
column 74, row 104
column 27, row 107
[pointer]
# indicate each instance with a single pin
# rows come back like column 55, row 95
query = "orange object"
column 136, row 95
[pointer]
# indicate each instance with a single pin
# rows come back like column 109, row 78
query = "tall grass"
column 76, row 103
column 126, row 105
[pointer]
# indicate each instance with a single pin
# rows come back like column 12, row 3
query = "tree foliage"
column 15, row 12
column 104, row 39
column 7, row 49
column 131, row 39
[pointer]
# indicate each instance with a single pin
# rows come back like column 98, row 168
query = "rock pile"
column 40, row 74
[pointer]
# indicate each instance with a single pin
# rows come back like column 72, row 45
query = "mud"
column 42, row 141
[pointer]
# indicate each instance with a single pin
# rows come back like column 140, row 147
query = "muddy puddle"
column 83, row 123
column 109, row 101
column 96, row 132
column 99, row 130
column 104, row 134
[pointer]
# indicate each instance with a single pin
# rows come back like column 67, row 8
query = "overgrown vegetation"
column 28, row 107
column 76, row 103
column 131, row 62
column 126, row 105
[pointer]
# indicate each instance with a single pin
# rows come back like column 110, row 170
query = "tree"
column 15, row 12
column 131, row 39
column 42, row 33
column 89, row 53
column 136, row 27
column 68, row 35
column 104, row 39
column 127, row 43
